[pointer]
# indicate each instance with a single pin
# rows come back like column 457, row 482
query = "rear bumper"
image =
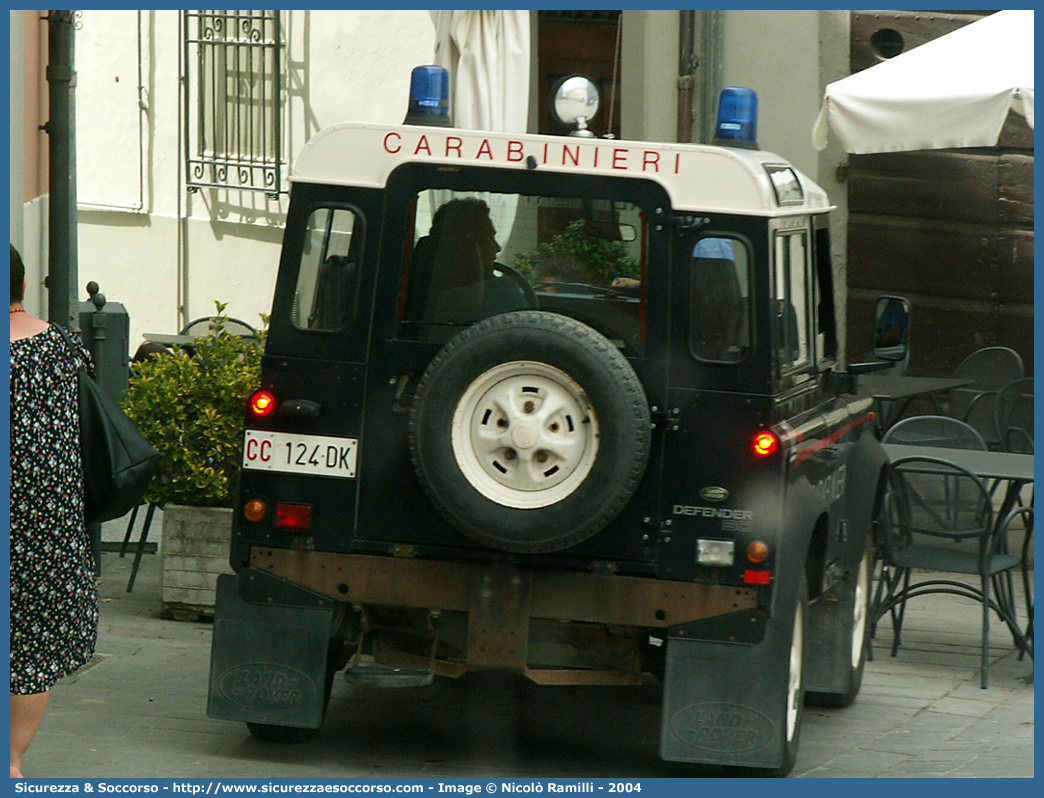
column 473, row 587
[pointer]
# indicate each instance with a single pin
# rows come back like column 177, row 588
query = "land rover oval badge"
column 713, row 493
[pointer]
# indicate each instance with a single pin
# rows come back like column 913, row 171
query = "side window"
column 327, row 281
column 720, row 300
column 826, row 324
column 791, row 302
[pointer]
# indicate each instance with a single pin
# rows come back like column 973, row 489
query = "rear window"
column 473, row 255
column 720, row 300
column 327, row 280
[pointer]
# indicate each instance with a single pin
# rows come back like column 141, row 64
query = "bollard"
column 105, row 331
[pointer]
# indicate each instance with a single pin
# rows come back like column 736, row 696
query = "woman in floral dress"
column 54, row 600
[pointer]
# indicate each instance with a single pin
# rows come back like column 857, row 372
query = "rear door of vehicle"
column 307, row 452
column 400, row 353
column 719, row 387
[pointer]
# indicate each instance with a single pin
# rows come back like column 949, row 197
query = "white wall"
column 649, row 85
column 167, row 254
column 776, row 53
column 788, row 57
column 834, row 35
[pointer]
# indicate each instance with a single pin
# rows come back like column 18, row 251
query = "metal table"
column 1010, row 467
column 186, row 342
column 890, row 390
column 170, row 340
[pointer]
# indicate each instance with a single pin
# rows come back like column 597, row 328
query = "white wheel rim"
column 797, row 648
column 862, row 588
column 525, row 434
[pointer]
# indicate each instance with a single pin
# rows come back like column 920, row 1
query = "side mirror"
column 892, row 329
column 574, row 101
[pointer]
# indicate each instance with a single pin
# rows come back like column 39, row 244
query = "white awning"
column 954, row 91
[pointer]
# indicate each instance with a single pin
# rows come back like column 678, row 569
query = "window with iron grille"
column 233, row 95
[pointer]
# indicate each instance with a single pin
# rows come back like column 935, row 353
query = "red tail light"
column 751, row 577
column 765, row 443
column 293, row 516
column 262, row 404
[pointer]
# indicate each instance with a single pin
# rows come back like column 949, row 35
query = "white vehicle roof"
column 697, row 178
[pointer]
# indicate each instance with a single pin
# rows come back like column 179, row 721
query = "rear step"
column 373, row 674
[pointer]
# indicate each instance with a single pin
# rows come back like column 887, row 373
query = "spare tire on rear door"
column 530, row 431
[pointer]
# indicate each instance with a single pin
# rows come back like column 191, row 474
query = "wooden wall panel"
column 921, row 257
column 1016, row 330
column 931, row 184
column 874, row 30
column 1015, row 189
column 951, row 230
column 1016, row 133
column 1015, row 267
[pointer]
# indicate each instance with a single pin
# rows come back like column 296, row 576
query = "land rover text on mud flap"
column 566, row 407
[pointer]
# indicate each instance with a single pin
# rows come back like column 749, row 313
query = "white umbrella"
column 954, row 91
column 487, row 55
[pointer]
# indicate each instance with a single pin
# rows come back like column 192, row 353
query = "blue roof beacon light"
column 737, row 124
column 429, row 97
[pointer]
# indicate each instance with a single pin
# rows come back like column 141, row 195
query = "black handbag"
column 118, row 463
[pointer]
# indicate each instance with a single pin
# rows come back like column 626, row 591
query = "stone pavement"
column 138, row 710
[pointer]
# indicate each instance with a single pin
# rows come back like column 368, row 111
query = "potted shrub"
column 595, row 256
column 190, row 406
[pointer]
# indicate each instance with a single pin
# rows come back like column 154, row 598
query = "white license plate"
column 288, row 452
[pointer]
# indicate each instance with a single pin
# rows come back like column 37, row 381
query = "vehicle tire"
column 794, row 710
column 854, row 603
column 530, row 432
column 280, row 734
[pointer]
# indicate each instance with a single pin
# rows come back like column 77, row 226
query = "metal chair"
column 1014, row 416
column 990, row 369
column 935, row 431
column 918, row 534
column 938, row 431
column 142, row 540
column 1025, row 515
column 201, row 326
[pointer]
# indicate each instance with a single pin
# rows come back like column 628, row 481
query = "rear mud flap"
column 724, row 703
column 268, row 662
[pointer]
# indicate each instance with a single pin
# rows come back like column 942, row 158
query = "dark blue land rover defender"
column 561, row 406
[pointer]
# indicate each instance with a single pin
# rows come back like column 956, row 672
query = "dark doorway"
column 584, row 43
